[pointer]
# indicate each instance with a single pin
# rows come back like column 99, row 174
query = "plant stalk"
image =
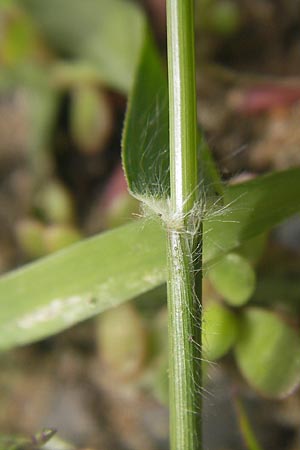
column 184, row 235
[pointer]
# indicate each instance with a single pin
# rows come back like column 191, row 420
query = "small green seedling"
column 234, row 278
column 219, row 332
column 34, row 442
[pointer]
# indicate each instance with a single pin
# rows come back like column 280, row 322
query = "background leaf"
column 246, row 428
column 234, row 278
column 104, row 33
column 219, row 330
column 250, row 208
column 268, row 353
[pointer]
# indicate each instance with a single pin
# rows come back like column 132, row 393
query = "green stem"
column 184, row 237
column 182, row 104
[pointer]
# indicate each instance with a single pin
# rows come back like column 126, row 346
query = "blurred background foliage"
column 67, row 67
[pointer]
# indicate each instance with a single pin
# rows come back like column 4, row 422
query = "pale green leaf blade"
column 268, row 353
column 48, row 296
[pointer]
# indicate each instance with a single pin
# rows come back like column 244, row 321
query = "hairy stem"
column 184, row 238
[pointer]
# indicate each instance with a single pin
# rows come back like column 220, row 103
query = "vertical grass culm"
column 184, row 235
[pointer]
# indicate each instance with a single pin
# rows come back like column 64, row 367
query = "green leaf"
column 254, row 248
column 220, row 330
column 146, row 136
column 145, row 142
column 90, row 277
column 42, row 100
column 90, row 118
column 34, row 442
column 113, row 267
column 123, row 341
column 246, row 428
column 104, row 33
column 209, row 175
column 268, row 353
column 250, row 208
column 234, row 278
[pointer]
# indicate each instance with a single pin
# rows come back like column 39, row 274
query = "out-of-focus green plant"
column 219, row 17
column 34, row 442
column 100, row 273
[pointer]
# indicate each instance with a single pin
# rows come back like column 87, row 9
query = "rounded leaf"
column 219, row 331
column 234, row 278
column 57, row 237
column 55, row 204
column 268, row 353
column 30, row 234
column 91, row 118
column 225, row 18
column 123, row 340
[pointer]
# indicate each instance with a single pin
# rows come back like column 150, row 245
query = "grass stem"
column 184, row 238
